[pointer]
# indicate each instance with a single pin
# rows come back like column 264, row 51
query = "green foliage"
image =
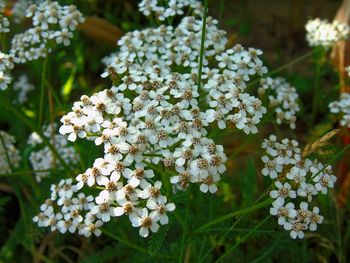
column 156, row 241
column 204, row 227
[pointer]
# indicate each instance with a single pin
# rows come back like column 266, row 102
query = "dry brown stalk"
column 314, row 146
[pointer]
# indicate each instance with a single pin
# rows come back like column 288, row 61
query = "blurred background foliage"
column 276, row 27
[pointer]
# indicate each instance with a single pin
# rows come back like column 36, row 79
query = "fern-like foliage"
column 157, row 240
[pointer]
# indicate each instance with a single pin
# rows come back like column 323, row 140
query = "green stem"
column 221, row 9
column 283, row 67
column 42, row 90
column 240, row 241
column 6, row 151
column 201, row 55
column 332, row 160
column 316, row 91
column 185, row 232
column 33, row 127
column 243, row 211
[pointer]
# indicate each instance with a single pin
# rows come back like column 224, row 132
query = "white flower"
column 103, row 209
column 208, row 184
column 160, row 206
column 283, row 212
column 342, row 107
column 272, row 168
column 145, row 221
column 283, row 191
column 315, row 219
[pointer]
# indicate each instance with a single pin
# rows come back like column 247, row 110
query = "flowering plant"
column 171, row 137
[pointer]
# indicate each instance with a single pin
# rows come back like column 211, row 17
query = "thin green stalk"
column 236, row 223
column 6, row 152
column 185, row 232
column 201, row 54
column 332, row 160
column 283, row 67
column 132, row 245
column 243, row 211
column 240, row 241
column 54, row 93
column 33, row 127
column 221, row 9
column 42, row 90
column 316, row 91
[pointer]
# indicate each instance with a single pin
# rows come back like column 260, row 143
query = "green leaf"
column 67, row 87
column 157, row 239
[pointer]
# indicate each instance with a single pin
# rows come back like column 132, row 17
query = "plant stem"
column 240, row 241
column 185, row 231
column 201, row 55
column 243, row 211
column 5, row 103
column 221, row 9
column 6, row 151
column 316, row 91
column 332, row 160
column 281, row 68
column 42, row 90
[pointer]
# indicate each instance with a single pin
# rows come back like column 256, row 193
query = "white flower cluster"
column 8, row 153
column 22, row 86
column 4, row 24
column 6, row 65
column 86, row 214
column 322, row 33
column 343, row 107
column 67, row 209
column 296, row 181
column 154, row 122
column 19, row 9
column 51, row 24
column 163, row 10
column 42, row 157
column 283, row 98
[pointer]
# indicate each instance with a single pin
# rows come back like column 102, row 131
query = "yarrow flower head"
column 342, row 107
column 297, row 180
column 155, row 120
column 325, row 34
column 283, row 98
column 6, row 65
column 42, row 158
column 51, row 24
column 9, row 155
column 170, row 9
column 4, row 24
